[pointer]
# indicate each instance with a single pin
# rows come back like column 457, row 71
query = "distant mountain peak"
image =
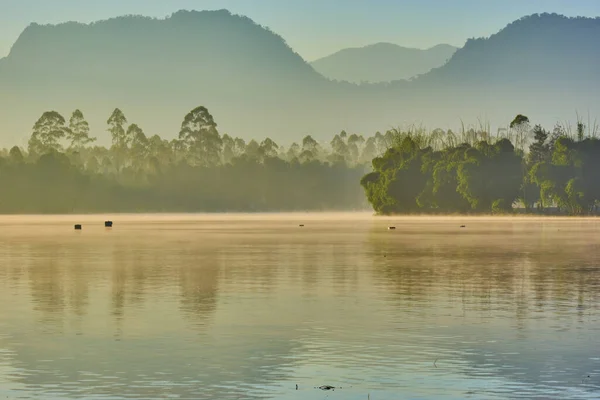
column 381, row 62
column 443, row 46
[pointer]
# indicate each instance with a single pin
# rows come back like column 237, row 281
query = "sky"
column 313, row 28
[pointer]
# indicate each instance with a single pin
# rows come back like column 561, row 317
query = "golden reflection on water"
column 247, row 306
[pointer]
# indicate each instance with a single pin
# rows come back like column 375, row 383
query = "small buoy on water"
column 327, row 387
column 77, row 227
column 391, row 228
column 463, row 226
column 108, row 224
column 301, row 225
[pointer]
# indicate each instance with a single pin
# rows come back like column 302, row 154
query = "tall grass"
column 521, row 137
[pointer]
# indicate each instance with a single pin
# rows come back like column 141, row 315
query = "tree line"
column 62, row 170
column 522, row 168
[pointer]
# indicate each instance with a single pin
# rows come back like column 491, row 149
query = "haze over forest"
column 256, row 86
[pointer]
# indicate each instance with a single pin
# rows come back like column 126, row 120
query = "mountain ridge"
column 255, row 85
column 381, row 62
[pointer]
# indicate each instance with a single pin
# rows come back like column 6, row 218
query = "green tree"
column 200, row 135
column 293, row 152
column 253, row 150
column 228, row 149
column 240, row 147
column 116, row 127
column 539, row 150
column 397, row 180
column 161, row 150
column 15, row 155
column 48, row 131
column 369, row 151
column 268, row 148
column 580, row 131
column 310, row 148
column 339, row 146
column 490, row 173
column 521, row 128
column 140, row 146
column 79, row 131
column 355, row 143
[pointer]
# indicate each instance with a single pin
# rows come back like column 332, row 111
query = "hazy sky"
column 314, row 28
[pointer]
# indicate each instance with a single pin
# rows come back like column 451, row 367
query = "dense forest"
column 525, row 168
column 62, row 171
column 521, row 168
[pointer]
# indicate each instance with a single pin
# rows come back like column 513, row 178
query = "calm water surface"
column 246, row 307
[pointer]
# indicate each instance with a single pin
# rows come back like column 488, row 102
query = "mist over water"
column 248, row 306
column 219, row 155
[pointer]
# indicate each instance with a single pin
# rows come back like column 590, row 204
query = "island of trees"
column 522, row 168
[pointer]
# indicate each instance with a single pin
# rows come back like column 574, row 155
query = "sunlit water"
column 246, row 307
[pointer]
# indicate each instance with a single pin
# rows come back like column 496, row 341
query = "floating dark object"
column 391, row 228
column 77, row 227
column 463, row 226
column 326, row 387
column 108, row 224
column 301, row 225
column 296, row 387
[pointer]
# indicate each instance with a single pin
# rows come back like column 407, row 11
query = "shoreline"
column 276, row 215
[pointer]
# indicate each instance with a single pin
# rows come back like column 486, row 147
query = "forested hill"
column 154, row 68
column 257, row 86
column 547, row 49
column 216, row 43
column 543, row 65
column 382, row 62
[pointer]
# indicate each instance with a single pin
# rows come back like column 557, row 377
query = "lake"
column 249, row 306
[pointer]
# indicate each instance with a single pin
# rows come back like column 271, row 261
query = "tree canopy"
column 199, row 171
column 403, row 171
column 489, row 174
